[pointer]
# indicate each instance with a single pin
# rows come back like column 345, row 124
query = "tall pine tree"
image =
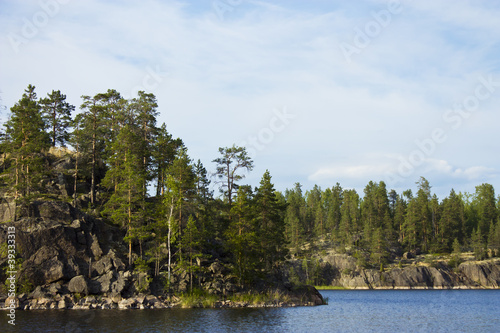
column 57, row 113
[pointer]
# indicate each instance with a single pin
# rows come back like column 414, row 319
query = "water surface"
column 348, row 311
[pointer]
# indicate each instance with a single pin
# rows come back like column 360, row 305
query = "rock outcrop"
column 342, row 270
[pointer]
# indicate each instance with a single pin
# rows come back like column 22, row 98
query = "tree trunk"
column 76, row 176
column 129, row 224
column 169, row 235
column 92, row 184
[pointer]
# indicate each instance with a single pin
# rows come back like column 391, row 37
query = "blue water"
column 348, row 311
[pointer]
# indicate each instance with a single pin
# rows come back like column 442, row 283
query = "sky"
column 318, row 91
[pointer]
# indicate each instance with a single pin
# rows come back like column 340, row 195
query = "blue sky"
column 319, row 91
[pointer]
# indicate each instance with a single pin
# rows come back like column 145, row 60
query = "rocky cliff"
column 342, row 270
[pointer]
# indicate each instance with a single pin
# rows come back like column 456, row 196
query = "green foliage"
column 331, row 288
column 198, row 298
column 25, row 286
column 140, row 265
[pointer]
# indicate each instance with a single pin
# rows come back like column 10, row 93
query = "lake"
column 347, row 311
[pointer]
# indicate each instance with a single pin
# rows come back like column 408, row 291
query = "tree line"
column 133, row 173
column 136, row 175
column 385, row 223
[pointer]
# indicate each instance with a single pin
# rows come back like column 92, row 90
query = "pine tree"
column 400, row 217
column 203, row 199
column 164, row 151
column 494, row 238
column 332, row 201
column 451, row 222
column 192, row 241
column 182, row 171
column 477, row 244
column 485, row 205
column 145, row 113
column 126, row 178
column 57, row 113
column 25, row 141
column 170, row 201
column 423, row 214
column 270, row 223
column 350, row 223
column 92, row 138
column 295, row 216
column 241, row 237
column 410, row 226
column 315, row 212
column 380, row 253
column 230, row 162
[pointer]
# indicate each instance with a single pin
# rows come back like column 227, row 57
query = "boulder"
column 55, row 288
column 39, row 293
column 78, row 284
column 12, row 303
column 104, row 265
column 63, row 304
column 103, row 283
column 408, row 255
column 128, row 303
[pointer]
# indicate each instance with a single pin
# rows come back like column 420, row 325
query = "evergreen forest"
column 131, row 172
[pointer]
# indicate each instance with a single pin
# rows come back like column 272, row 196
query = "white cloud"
column 223, row 78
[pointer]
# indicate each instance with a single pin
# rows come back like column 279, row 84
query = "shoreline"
column 151, row 302
column 304, row 295
column 335, row 288
column 148, row 302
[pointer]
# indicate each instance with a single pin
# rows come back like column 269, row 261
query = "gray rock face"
column 108, row 263
column 53, row 210
column 45, row 266
column 482, row 274
column 119, row 285
column 57, row 246
column 7, row 208
column 347, row 274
